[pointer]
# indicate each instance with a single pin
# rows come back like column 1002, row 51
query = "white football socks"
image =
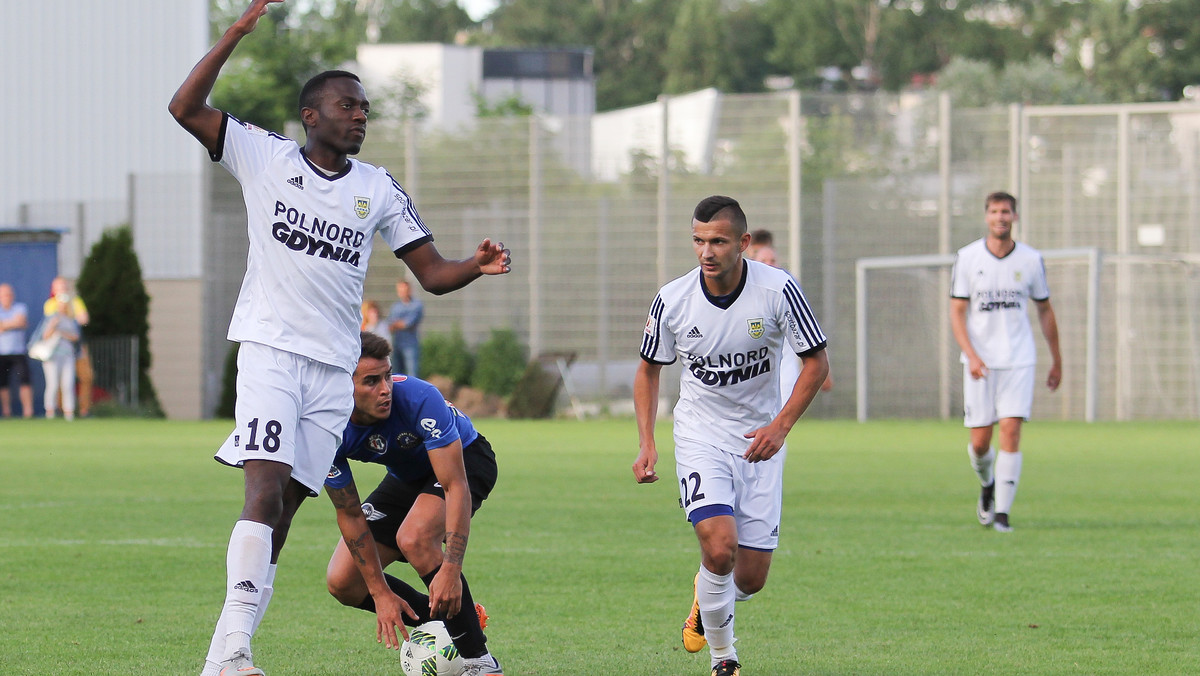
column 983, row 464
column 1008, row 475
column 247, row 567
column 716, row 595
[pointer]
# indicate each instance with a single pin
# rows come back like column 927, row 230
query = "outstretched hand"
column 249, row 19
column 493, row 259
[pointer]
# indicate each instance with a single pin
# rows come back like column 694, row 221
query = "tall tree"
column 698, row 48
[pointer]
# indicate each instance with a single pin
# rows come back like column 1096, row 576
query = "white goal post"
column 930, row 330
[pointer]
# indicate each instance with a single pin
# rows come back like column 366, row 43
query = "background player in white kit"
column 994, row 279
column 729, row 319
column 312, row 216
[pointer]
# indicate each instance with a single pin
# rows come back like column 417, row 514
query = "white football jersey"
column 310, row 239
column 731, row 351
column 999, row 291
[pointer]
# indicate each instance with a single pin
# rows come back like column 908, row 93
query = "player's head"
column 333, row 110
column 1000, row 211
column 719, row 237
column 372, row 380
column 1000, row 196
column 762, row 237
column 766, row 254
column 721, row 208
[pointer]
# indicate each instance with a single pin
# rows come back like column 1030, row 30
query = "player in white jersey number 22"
column 729, row 320
column 312, row 215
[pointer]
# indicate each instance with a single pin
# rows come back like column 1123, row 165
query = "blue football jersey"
column 420, row 421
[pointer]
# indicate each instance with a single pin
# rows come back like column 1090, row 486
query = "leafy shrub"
column 447, row 355
column 110, row 283
column 499, row 363
column 534, row 394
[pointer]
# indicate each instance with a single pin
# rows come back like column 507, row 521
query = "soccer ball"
column 430, row 652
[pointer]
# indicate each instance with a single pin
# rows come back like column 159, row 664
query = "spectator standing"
column 403, row 321
column 14, row 364
column 60, row 289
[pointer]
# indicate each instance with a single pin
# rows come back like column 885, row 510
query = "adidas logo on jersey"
column 246, row 586
column 695, row 333
column 297, row 182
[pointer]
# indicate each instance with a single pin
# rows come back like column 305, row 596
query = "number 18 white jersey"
column 310, row 239
column 731, row 350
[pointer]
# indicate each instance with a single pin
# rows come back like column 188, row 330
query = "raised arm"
column 445, row 591
column 190, row 106
column 389, row 608
column 645, row 407
column 439, row 276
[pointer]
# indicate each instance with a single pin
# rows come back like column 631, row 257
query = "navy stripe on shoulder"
column 418, row 242
column 216, row 156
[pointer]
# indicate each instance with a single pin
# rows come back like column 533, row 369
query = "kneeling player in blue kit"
column 439, row 471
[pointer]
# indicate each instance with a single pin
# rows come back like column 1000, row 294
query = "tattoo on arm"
column 344, row 498
column 456, row 547
column 357, row 545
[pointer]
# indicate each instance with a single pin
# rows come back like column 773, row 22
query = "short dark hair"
column 374, row 346
column 720, row 207
column 310, row 93
column 762, row 237
column 1000, row 196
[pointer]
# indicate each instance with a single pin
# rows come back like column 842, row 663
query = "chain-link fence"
column 597, row 213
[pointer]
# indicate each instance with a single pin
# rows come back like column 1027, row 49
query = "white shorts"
column 1002, row 393
column 290, row 409
column 713, row 482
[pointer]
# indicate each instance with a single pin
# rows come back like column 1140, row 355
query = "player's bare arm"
column 767, row 441
column 645, row 406
column 439, row 275
column 190, row 106
column 389, row 608
column 958, row 324
column 445, row 591
column 1050, row 330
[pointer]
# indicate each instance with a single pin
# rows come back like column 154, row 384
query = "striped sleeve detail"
column 652, row 337
column 806, row 322
column 410, row 211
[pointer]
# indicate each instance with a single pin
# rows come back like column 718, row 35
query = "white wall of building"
column 83, row 105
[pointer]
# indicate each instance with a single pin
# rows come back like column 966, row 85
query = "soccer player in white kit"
column 994, row 279
column 312, row 214
column 729, row 320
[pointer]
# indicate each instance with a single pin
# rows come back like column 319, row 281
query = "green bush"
column 534, row 394
column 447, row 355
column 110, row 283
column 499, row 362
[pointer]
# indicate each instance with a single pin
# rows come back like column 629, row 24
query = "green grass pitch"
column 113, row 542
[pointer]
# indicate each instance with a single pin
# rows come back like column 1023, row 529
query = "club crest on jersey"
column 362, row 206
column 1016, row 275
column 376, row 444
column 755, row 327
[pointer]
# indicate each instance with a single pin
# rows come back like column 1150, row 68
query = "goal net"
column 1129, row 332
